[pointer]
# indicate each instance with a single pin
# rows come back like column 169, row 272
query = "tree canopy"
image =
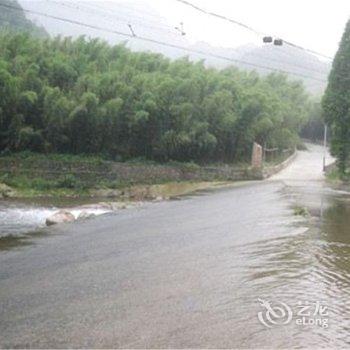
column 84, row 96
column 336, row 102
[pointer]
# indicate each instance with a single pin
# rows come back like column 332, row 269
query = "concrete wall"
column 330, row 167
column 271, row 170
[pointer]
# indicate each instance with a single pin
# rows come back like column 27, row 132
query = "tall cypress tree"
column 336, row 102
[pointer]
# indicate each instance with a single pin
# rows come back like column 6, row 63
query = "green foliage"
column 28, row 158
column 301, row 146
column 314, row 129
column 336, row 102
column 301, row 211
column 69, row 181
column 335, row 176
column 40, row 184
column 30, row 139
column 85, row 97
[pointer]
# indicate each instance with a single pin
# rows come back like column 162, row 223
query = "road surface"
column 185, row 273
column 307, row 166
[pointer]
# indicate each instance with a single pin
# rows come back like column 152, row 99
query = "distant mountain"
column 293, row 60
column 12, row 17
column 305, row 66
column 148, row 23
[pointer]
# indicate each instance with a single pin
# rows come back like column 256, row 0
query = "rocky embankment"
column 6, row 191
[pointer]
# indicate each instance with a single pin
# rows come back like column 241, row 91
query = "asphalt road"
column 184, row 273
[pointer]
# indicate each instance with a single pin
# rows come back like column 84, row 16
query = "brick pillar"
column 257, row 156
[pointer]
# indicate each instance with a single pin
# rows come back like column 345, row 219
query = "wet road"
column 187, row 273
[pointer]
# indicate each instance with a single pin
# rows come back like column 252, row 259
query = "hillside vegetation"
column 84, row 96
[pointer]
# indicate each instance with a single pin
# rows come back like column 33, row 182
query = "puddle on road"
column 17, row 241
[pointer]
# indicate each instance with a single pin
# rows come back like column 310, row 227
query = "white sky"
column 314, row 24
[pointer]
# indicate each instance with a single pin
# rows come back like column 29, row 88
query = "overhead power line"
column 187, row 3
column 162, row 43
column 181, row 30
column 255, row 31
column 96, row 11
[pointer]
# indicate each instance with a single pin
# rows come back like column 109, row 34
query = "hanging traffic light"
column 278, row 42
column 267, row 39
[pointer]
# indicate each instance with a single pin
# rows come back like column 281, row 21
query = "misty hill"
column 284, row 58
column 15, row 19
column 148, row 23
column 294, row 60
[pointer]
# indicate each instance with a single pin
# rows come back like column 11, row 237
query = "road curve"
column 308, row 165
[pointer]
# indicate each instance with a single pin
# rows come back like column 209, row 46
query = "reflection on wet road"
column 185, row 273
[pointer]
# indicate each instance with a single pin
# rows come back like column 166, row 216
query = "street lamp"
column 325, row 146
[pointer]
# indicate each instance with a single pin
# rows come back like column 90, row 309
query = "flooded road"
column 191, row 273
column 19, row 217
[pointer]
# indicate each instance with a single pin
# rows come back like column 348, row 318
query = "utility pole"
column 325, row 146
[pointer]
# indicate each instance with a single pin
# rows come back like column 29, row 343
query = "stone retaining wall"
column 126, row 172
column 272, row 170
column 91, row 174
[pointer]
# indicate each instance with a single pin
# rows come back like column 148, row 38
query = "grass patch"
column 301, row 211
column 335, row 176
column 30, row 158
column 65, row 186
column 23, row 182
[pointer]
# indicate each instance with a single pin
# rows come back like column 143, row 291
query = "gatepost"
column 257, row 156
